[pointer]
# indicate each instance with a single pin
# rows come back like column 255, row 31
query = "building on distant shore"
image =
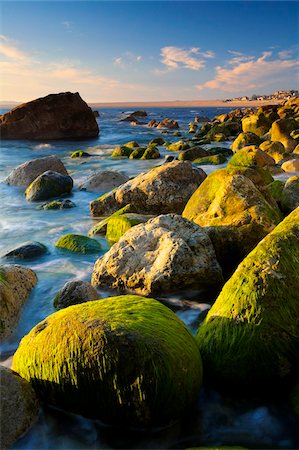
column 278, row 95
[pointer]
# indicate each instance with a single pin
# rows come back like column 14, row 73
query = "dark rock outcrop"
column 56, row 116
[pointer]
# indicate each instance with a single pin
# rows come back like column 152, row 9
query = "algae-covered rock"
column 137, row 153
column 280, row 131
column 157, row 141
column 101, row 226
column 122, row 151
column 18, row 407
column 80, row 154
column 234, row 212
column 192, row 153
column 48, row 185
column 151, row 152
column 291, row 166
column 290, row 194
column 58, row 204
column 274, row 149
column 161, row 190
column 225, row 151
column 178, row 146
column 251, row 156
column 132, row 144
column 256, row 123
column 16, row 283
column 28, row 250
column 245, row 139
column 119, row 224
column 128, row 361
column 78, row 243
column 211, row 159
column 165, row 254
column 27, row 172
column 250, row 336
column 103, row 181
column 275, row 189
column 73, row 293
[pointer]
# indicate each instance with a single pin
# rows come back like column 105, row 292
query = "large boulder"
column 291, row 165
column 192, row 153
column 48, row 185
column 250, row 336
column 16, row 283
column 28, row 250
column 167, row 253
column 251, row 156
column 78, row 243
column 104, row 181
column 164, row 189
column 18, row 407
column 169, row 124
column 234, row 213
column 245, row 139
column 256, row 123
column 273, row 148
column 280, row 131
column 119, row 224
column 73, row 293
column 128, row 361
column 56, row 116
column 27, row 172
column 290, row 194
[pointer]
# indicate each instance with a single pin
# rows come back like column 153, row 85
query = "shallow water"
column 216, row 419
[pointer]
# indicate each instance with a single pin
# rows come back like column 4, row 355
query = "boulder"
column 178, row 146
column 151, row 152
column 274, row 149
column 56, row 116
column 201, row 119
column 128, row 361
column 157, row 141
column 280, row 131
column 192, row 153
column 103, row 181
column 211, row 160
column 169, row 124
column 132, row 144
column 225, row 151
column 256, row 123
column 245, row 139
column 78, row 243
column 275, row 189
column 161, row 190
column 234, row 213
column 134, row 116
column 137, row 153
column 48, row 185
column 291, row 166
column 290, row 195
column 251, row 156
column 29, row 250
column 250, row 337
column 165, row 254
column 58, row 204
column 118, row 225
column 27, row 172
column 101, row 226
column 75, row 292
column 18, row 407
column 122, row 152
column 80, row 154
column 16, row 283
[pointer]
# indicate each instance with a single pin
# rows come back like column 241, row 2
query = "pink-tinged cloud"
column 10, row 51
column 175, row 58
column 251, row 74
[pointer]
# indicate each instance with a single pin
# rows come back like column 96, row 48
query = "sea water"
column 217, row 420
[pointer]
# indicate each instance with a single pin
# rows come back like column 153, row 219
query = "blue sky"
column 130, row 51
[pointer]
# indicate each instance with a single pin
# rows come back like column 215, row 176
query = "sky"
column 111, row 51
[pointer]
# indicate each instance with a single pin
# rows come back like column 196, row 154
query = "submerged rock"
column 234, row 213
column 18, row 407
column 75, row 292
column 161, row 190
column 250, row 336
column 16, row 283
column 104, row 181
column 80, row 154
column 27, row 172
column 48, row 185
column 29, row 250
column 78, row 243
column 56, row 116
column 130, row 361
column 167, row 253
column 58, row 204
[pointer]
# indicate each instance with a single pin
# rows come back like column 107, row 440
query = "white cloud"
column 241, row 74
column 127, row 59
column 285, row 54
column 176, row 58
column 9, row 50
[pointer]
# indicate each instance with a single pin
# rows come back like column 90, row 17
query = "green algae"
column 275, row 189
column 245, row 139
column 126, row 360
column 78, row 243
column 119, row 224
column 151, row 152
column 250, row 337
column 178, row 146
column 80, row 154
column 122, row 151
column 212, row 159
column 101, row 227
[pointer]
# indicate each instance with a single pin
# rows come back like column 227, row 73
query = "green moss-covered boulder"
column 275, row 149
column 125, row 360
column 137, row 153
column 251, row 156
column 290, row 194
column 58, row 204
column 101, row 226
column 151, row 153
column 157, row 141
column 275, row 189
column 234, row 212
column 280, row 131
column 211, row 159
column 122, row 152
column 48, row 185
column 192, row 127
column 192, row 153
column 256, row 123
column 118, row 225
column 78, row 243
column 132, row 144
column 216, row 136
column 220, row 151
column 80, row 154
column 245, row 139
column 250, row 336
column 178, row 146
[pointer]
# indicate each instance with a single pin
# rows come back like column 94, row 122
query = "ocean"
column 218, row 420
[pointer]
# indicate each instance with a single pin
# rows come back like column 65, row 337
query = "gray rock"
column 75, row 292
column 48, row 185
column 104, row 181
column 29, row 250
